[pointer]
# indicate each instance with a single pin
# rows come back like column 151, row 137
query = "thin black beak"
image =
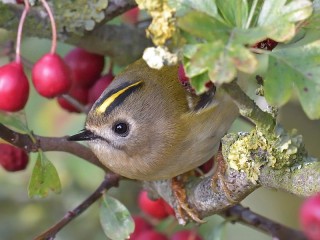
column 84, row 135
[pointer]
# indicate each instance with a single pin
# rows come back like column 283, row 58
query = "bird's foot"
column 184, row 211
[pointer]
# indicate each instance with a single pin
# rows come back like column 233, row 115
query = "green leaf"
column 243, row 59
column 309, row 95
column 314, row 20
column 223, row 70
column 303, row 37
column 15, row 120
column 278, row 19
column 115, row 219
column 44, row 178
column 217, row 231
column 270, row 11
column 220, row 60
column 198, row 82
column 278, row 83
column 235, row 13
column 297, row 10
column 297, row 66
column 203, row 26
column 190, row 49
column 205, row 6
column 204, row 58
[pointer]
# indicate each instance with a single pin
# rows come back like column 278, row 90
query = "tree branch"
column 263, row 120
column 49, row 144
column 123, row 43
column 111, row 180
column 278, row 231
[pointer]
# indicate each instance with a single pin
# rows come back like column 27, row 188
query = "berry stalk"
column 20, row 27
column 53, row 26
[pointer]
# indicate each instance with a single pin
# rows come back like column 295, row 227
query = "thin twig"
column 111, row 180
column 75, row 103
column 276, row 230
column 48, row 144
column 119, row 48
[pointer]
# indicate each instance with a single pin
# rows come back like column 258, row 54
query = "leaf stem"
column 53, row 26
column 110, row 180
column 20, row 27
column 252, row 10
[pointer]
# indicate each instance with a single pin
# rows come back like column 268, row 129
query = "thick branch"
column 48, row 144
column 303, row 181
column 111, row 180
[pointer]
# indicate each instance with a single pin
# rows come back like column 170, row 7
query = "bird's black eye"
column 121, row 128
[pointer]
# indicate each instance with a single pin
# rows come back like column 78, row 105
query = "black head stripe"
column 116, row 97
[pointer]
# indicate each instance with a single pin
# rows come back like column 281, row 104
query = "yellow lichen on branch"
column 252, row 150
column 162, row 26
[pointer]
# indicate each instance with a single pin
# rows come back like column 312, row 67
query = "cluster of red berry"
column 77, row 75
column 156, row 209
column 86, row 82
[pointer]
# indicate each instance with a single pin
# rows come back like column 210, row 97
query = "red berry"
column 151, row 235
column 78, row 93
column 20, row 1
column 168, row 208
column 12, row 158
column 85, row 67
column 155, row 208
column 141, row 225
column 14, row 87
column 184, row 80
column 51, row 76
column 185, row 235
column 310, row 217
column 97, row 89
column 207, row 166
column 131, row 16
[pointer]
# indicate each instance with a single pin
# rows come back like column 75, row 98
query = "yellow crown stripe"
column 102, row 108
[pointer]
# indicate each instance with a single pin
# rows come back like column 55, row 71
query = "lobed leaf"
column 220, row 61
column 270, row 11
column 314, row 21
column 208, row 7
column 203, row 26
column 298, row 67
column 279, row 19
column 199, row 82
column 234, row 13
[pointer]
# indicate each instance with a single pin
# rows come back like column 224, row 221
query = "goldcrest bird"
column 146, row 126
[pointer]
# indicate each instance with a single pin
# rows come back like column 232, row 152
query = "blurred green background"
column 24, row 218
